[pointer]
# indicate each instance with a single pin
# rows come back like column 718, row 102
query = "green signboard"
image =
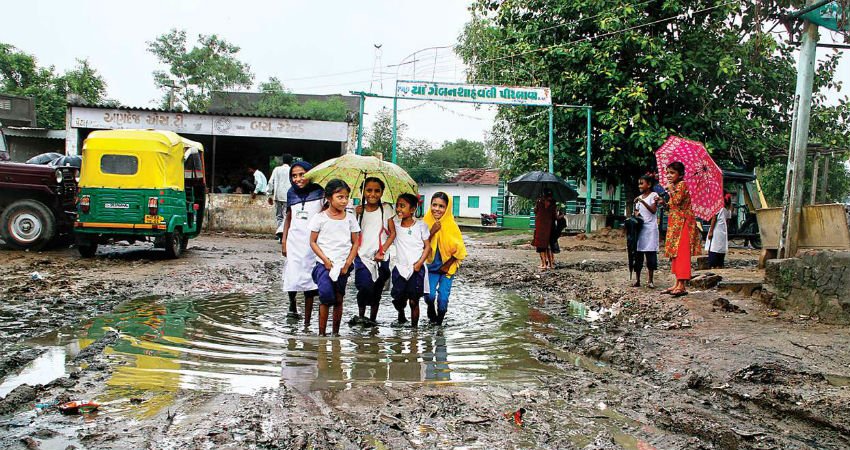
column 828, row 16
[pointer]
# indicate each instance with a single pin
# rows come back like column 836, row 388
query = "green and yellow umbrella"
column 354, row 169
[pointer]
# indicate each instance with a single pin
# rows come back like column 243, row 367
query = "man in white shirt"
column 261, row 185
column 279, row 185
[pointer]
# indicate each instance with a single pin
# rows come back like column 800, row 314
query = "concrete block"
column 706, row 281
column 702, row 263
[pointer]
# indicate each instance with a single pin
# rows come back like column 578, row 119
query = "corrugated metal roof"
column 40, row 133
column 140, row 108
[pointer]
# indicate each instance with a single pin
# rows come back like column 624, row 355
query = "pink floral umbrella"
column 704, row 178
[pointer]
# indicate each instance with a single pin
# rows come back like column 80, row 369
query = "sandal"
column 679, row 293
column 667, row 291
column 636, row 284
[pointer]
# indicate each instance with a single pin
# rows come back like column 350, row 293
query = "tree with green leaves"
column 192, row 74
column 418, row 157
column 278, row 101
column 21, row 75
column 711, row 71
column 379, row 138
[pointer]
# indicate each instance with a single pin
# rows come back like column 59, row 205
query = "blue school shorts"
column 440, row 286
column 363, row 279
column 413, row 287
column 327, row 288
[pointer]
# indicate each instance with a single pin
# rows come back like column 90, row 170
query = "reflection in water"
column 242, row 343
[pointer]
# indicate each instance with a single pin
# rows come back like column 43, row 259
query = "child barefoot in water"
column 412, row 248
column 646, row 204
column 447, row 251
column 371, row 266
column 305, row 201
column 334, row 239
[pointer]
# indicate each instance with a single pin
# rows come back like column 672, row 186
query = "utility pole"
column 792, row 202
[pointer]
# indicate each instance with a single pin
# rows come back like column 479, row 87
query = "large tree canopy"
column 21, row 75
column 193, row 74
column 707, row 70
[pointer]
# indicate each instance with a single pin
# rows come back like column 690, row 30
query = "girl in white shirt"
column 371, row 266
column 334, row 239
column 412, row 246
column 646, row 205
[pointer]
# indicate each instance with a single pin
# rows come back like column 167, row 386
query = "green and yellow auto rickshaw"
column 140, row 185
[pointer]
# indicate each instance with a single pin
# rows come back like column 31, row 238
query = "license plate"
column 116, row 205
column 154, row 219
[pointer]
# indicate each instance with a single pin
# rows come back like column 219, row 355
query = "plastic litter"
column 82, row 407
column 515, row 416
column 36, row 276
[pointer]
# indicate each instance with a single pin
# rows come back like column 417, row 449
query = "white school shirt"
column 409, row 244
column 334, row 238
column 648, row 238
column 372, row 237
column 719, row 243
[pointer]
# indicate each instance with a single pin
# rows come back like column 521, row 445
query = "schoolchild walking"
column 412, row 246
column 646, row 205
column 447, row 251
column 334, row 239
column 371, row 266
column 304, row 200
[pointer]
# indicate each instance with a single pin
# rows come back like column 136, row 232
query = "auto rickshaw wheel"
column 88, row 249
column 174, row 244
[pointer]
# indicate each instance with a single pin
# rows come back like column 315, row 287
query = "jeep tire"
column 27, row 225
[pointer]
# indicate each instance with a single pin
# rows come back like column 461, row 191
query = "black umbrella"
column 532, row 184
column 68, row 160
column 44, row 158
column 632, row 226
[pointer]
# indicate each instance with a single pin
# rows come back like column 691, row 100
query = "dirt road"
column 198, row 353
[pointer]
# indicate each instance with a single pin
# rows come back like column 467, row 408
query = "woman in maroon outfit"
column 544, row 222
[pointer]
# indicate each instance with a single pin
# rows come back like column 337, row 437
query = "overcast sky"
column 298, row 42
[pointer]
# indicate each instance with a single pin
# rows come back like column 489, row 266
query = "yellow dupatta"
column 448, row 240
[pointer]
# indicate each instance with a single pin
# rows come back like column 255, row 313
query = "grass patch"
column 521, row 241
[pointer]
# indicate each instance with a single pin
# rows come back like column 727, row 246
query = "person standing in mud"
column 683, row 239
column 646, row 205
column 334, row 238
column 412, row 246
column 717, row 241
column 544, row 224
column 447, row 251
column 371, row 266
column 304, row 200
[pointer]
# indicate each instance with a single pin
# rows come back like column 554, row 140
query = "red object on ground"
column 515, row 416
column 78, row 407
column 703, row 176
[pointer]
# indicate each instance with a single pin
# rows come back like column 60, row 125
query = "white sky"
column 294, row 41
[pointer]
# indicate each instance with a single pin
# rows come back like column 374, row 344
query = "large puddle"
column 243, row 343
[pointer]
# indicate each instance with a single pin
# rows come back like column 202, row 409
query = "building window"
column 472, row 202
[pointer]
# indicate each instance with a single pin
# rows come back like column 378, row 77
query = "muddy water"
column 243, row 343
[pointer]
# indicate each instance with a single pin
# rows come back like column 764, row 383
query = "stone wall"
column 238, row 212
column 816, row 284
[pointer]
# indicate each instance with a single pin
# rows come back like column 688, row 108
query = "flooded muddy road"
column 199, row 353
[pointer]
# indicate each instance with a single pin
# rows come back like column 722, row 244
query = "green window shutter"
column 472, row 202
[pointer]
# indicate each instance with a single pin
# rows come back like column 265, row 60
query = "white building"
column 473, row 191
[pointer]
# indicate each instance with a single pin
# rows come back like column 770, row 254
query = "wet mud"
column 199, row 353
